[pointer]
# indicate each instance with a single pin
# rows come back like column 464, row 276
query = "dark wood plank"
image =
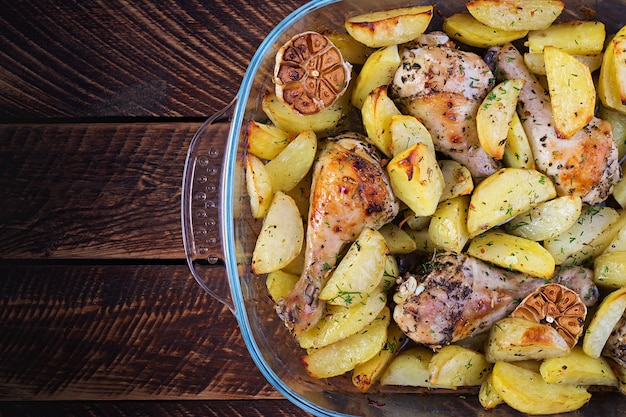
column 119, row 333
column 94, row 190
column 128, row 58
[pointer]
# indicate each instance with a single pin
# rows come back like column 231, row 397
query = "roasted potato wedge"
column 457, row 366
column 281, row 237
column 448, row 226
column 457, row 179
column 487, row 395
column 576, row 37
column 619, row 189
column 608, row 85
column 389, row 27
column 293, row 163
column 352, row 50
column 618, row 243
column 494, row 116
column 618, row 126
column 406, row 131
column 379, row 69
column 578, row 368
column 377, row 113
column 266, row 141
column 464, row 27
column 515, row 339
column 527, row 392
column 610, row 270
column 516, row 14
column 416, row 179
column 572, row 91
column 537, row 65
column 513, row 252
column 279, row 283
column 398, row 241
column 548, row 220
column 423, row 244
column 409, row 368
column 345, row 355
column 504, row 195
column 359, row 272
column 609, row 312
column 259, row 186
column 517, row 151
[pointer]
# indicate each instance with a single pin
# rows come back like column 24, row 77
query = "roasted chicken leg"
column 585, row 164
column 350, row 191
column 615, row 347
column 458, row 296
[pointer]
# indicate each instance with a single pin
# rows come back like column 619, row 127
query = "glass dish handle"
column 201, row 206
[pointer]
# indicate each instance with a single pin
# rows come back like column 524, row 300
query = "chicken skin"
column 458, row 296
column 615, row 347
column 443, row 87
column 350, row 191
column 586, row 164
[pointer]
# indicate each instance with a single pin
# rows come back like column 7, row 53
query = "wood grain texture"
column 119, row 332
column 98, row 58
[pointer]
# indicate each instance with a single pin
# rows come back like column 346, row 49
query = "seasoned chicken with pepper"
column 350, row 191
column 443, row 87
column 585, row 164
column 458, row 296
column 615, row 347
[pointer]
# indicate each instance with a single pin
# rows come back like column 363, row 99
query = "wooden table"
column 98, row 103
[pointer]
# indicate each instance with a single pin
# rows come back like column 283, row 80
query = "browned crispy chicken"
column 458, row 296
column 615, row 347
column 350, row 191
column 443, row 87
column 586, row 164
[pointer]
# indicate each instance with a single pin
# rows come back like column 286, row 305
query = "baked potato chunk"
column 608, row 314
column 464, row 27
column 548, row 220
column 293, row 163
column 457, row 366
column 517, row 151
column 516, row 14
column 576, row 37
column 410, row 368
column 448, row 226
column 379, row 69
column 578, row 368
column 259, row 186
column 377, row 113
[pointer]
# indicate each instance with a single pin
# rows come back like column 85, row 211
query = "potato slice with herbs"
column 494, row 116
column 618, row 243
column 611, row 70
column 513, row 252
column 458, row 366
column 264, row 140
column 389, row 27
column 579, row 369
column 410, row 368
column 448, row 226
column 537, row 65
column 572, row 92
column 398, row 241
column 345, row 355
column 576, row 37
column 293, row 163
column 505, row 194
column 618, row 126
column 464, row 27
column 377, row 113
column 359, row 272
column 487, row 395
column 259, row 186
column 548, row 220
column 516, row 14
column 608, row 314
column 379, row 69
column 406, row 131
column 517, row 151
column 352, row 50
column 279, row 283
column 610, row 270
column 457, row 179
column 527, row 392
column 416, row 179
column 281, row 237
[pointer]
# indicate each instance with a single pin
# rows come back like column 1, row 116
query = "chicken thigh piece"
column 615, row 347
column 443, row 87
column 458, row 296
column 350, row 191
column 586, row 164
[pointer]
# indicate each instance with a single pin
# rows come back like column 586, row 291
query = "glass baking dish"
column 219, row 231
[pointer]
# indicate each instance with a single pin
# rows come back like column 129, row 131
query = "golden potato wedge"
column 339, row 322
column 574, row 37
column 293, row 122
column 352, row 50
column 377, row 112
column 513, row 252
column 264, row 140
column 494, row 116
column 279, row 283
column 457, row 179
column 457, row 366
column 416, row 222
column 578, row 368
column 345, row 355
column 359, row 272
column 301, row 194
column 379, row 69
column 609, row 312
column 527, row 392
column 536, row 64
column 608, row 86
column 368, row 373
column 464, row 27
column 389, row 27
column 516, row 14
column 610, row 270
column 514, row 339
column 618, row 243
column 281, row 237
column 572, row 91
column 422, row 240
column 416, row 179
column 406, row 131
column 448, row 226
column 517, row 151
column 618, row 126
column 619, row 52
column 619, row 189
column 589, row 236
column 547, row 220
column 487, row 395
column 293, row 163
column 390, row 276
column 505, row 194
column 398, row 241
column 259, row 186
column 410, row 368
